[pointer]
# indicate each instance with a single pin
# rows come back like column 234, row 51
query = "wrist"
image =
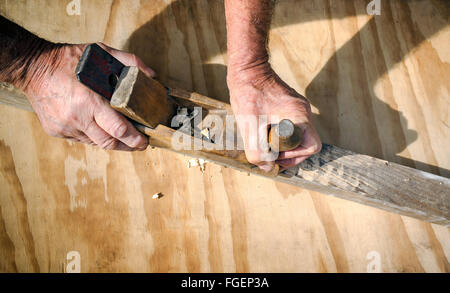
column 24, row 56
column 60, row 59
column 255, row 74
column 263, row 79
column 43, row 64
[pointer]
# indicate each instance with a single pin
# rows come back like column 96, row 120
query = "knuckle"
column 266, row 167
column 317, row 148
column 302, row 104
column 135, row 59
column 253, row 158
column 70, row 117
column 253, row 161
column 88, row 125
column 109, row 143
column 119, row 130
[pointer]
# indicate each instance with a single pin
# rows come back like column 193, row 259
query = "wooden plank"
column 378, row 183
column 11, row 96
column 348, row 175
column 378, row 85
column 359, row 178
column 333, row 171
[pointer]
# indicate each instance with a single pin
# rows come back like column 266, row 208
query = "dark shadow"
column 185, row 35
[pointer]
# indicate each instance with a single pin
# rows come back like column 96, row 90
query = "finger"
column 288, row 163
column 311, row 145
column 300, row 151
column 259, row 154
column 84, row 139
column 103, row 139
column 253, row 132
column 256, row 158
column 266, row 166
column 141, row 65
column 129, row 60
column 87, row 140
column 123, row 147
column 76, row 136
column 119, row 127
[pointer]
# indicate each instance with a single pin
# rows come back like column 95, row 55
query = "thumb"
column 129, row 60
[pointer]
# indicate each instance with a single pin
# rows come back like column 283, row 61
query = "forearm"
column 248, row 24
column 25, row 58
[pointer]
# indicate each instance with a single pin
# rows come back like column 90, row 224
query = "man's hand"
column 255, row 93
column 68, row 109
column 45, row 71
column 256, row 90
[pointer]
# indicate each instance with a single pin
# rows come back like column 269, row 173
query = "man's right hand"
column 259, row 92
column 68, row 109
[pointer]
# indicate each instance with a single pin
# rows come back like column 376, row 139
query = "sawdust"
column 157, row 195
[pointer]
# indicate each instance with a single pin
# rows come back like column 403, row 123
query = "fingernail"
column 151, row 72
column 142, row 143
column 266, row 168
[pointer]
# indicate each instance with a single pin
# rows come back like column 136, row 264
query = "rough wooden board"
column 339, row 172
column 87, row 27
column 375, row 182
column 11, row 96
column 334, row 171
column 380, row 86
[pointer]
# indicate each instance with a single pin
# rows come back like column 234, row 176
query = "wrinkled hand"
column 262, row 92
column 68, row 109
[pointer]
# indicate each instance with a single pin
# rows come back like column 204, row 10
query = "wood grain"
column 334, row 171
column 378, row 85
column 142, row 99
column 11, row 96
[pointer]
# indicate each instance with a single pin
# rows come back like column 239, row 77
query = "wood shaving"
column 197, row 162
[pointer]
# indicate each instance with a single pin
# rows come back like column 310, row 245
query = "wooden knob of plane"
column 285, row 136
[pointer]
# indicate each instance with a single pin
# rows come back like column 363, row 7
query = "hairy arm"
column 248, row 24
column 25, row 57
column 256, row 90
column 45, row 71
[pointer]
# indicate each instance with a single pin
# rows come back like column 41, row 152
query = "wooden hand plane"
column 156, row 110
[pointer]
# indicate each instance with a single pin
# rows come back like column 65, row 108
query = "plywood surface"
column 378, row 86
